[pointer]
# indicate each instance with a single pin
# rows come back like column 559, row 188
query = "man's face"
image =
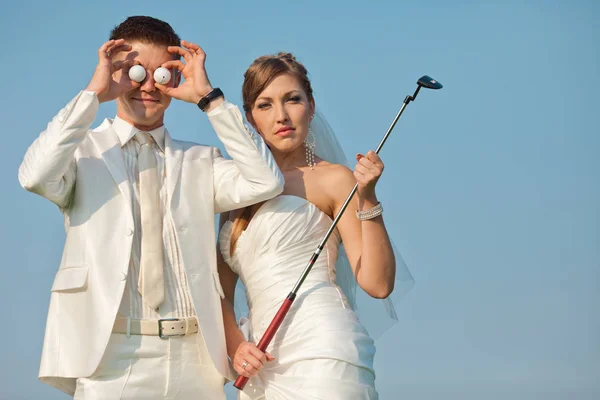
column 145, row 106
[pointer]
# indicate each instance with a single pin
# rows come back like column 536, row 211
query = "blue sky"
column 491, row 189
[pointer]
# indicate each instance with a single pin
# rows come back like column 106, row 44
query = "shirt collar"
column 125, row 132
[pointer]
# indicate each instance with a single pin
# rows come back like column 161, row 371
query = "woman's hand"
column 249, row 360
column 367, row 172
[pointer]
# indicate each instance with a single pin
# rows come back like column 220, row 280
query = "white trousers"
column 145, row 367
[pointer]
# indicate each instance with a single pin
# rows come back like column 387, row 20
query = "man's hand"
column 102, row 82
column 196, row 84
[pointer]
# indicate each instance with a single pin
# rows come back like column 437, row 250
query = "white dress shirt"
column 177, row 303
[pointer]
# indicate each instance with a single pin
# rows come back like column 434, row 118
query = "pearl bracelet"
column 370, row 213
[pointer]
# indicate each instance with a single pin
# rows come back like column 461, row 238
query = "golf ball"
column 137, row 73
column 162, row 76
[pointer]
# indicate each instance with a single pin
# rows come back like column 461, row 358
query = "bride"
column 321, row 350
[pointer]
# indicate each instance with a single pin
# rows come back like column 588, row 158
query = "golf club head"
column 429, row 83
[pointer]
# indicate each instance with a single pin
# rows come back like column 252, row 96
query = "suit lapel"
column 108, row 145
column 173, row 161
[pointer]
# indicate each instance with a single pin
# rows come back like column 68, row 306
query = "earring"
column 309, row 145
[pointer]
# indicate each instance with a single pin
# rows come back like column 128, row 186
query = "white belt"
column 165, row 327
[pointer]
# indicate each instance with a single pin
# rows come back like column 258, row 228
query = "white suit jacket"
column 83, row 172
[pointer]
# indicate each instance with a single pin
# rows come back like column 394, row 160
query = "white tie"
column 151, row 283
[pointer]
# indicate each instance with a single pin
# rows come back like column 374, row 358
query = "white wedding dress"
column 321, row 350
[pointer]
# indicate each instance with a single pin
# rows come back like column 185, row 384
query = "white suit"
column 83, row 172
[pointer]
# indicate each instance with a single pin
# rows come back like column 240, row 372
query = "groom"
column 135, row 306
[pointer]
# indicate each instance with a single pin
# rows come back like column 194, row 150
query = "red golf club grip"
column 241, row 381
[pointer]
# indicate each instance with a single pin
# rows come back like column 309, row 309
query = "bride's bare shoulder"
column 335, row 179
column 328, row 185
column 334, row 172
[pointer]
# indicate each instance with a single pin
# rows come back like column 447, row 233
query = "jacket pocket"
column 70, row 279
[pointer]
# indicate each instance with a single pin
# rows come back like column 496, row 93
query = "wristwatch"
column 205, row 101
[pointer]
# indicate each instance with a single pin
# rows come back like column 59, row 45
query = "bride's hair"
column 256, row 79
column 266, row 68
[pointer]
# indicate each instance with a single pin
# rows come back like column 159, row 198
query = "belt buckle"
column 160, row 328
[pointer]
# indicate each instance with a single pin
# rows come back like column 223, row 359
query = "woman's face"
column 282, row 114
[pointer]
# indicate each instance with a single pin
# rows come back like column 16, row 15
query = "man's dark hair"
column 146, row 30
